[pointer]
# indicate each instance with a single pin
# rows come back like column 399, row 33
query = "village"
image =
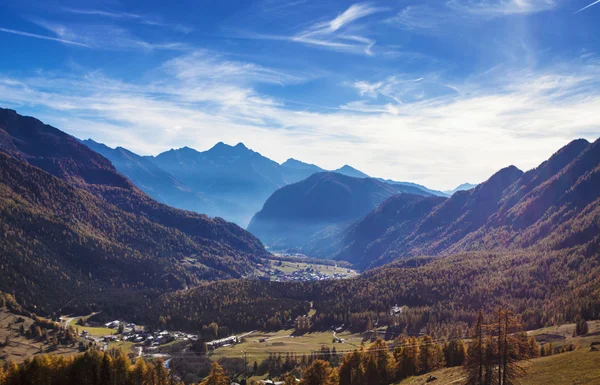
column 304, row 275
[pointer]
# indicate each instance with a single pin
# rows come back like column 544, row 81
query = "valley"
column 334, row 268
column 274, row 192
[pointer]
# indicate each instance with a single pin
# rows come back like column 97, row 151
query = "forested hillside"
column 441, row 295
column 553, row 206
column 74, row 229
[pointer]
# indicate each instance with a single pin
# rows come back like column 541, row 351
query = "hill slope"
column 297, row 212
column 71, row 223
column 511, row 210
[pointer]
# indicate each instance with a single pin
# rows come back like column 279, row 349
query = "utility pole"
column 245, row 364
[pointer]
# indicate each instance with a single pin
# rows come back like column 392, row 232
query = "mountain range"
column 232, row 182
column 70, row 223
column 555, row 205
column 327, row 200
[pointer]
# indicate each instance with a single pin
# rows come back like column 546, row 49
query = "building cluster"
column 304, row 275
column 138, row 335
column 223, row 342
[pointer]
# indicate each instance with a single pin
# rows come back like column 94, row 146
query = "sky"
column 437, row 92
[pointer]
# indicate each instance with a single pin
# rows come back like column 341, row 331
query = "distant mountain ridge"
column 232, row 182
column 462, row 187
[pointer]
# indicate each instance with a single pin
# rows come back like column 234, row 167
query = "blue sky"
column 436, row 92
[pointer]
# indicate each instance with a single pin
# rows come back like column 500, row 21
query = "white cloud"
column 141, row 19
column 341, row 33
column 105, row 37
column 492, row 8
column 498, row 119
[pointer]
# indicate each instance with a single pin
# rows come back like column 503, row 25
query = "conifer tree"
column 475, row 359
column 217, row 376
column 317, row 374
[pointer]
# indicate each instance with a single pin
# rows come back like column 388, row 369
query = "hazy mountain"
column 553, row 205
column 462, row 187
column 351, row 171
column 153, row 180
column 231, row 182
column 236, row 178
column 73, row 224
column 420, row 187
column 295, row 170
column 297, row 212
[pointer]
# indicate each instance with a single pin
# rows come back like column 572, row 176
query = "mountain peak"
column 241, row 145
column 351, row 171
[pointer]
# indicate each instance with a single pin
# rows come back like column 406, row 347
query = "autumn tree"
column 318, row 373
column 476, row 353
column 352, row 369
column 581, row 327
column 217, row 376
column 406, row 355
column 455, row 353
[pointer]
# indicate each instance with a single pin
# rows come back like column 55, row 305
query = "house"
column 395, row 310
column 113, row 324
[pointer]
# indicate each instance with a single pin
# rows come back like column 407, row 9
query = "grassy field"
column 96, row 331
column 283, row 342
column 290, row 267
column 20, row 348
column 581, row 367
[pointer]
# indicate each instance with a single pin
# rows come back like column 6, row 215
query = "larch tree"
column 317, row 373
column 217, row 376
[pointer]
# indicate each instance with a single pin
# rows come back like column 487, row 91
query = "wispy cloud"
column 43, row 37
column 103, row 37
column 335, row 34
column 502, row 116
column 141, row 19
column 203, row 65
column 493, row 8
column 588, row 6
column 342, row 33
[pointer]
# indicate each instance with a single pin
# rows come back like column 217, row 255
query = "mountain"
column 462, row 187
column 420, row 187
column 231, row 182
column 394, row 219
column 351, row 171
column 153, row 180
column 78, row 233
column 297, row 212
column 236, row 178
column 295, row 170
column 552, row 206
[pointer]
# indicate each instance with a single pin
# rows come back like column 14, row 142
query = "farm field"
column 283, row 342
column 290, row 267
